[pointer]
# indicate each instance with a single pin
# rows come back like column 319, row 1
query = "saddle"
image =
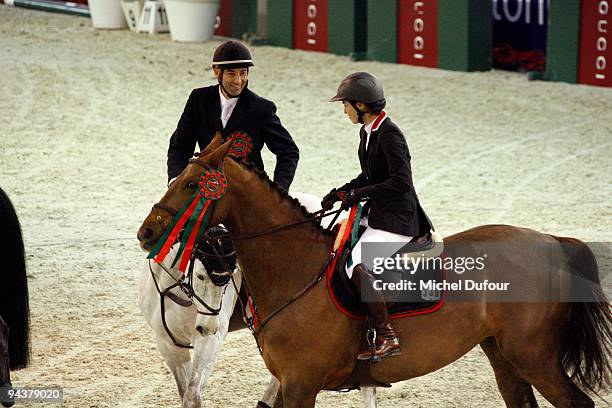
column 405, row 295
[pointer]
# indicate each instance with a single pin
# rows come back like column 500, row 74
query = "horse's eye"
column 192, row 185
column 200, row 277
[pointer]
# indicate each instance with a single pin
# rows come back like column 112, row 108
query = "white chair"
column 132, row 10
column 153, row 18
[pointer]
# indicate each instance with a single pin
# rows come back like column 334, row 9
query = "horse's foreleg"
column 369, row 397
column 179, row 362
column 278, row 403
column 297, row 394
column 270, row 395
column 205, row 352
column 515, row 391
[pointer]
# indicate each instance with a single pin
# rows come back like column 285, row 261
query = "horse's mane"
column 294, row 202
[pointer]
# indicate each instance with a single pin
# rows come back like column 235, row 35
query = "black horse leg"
column 5, row 367
column 5, row 383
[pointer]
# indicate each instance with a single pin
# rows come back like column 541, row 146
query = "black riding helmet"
column 360, row 87
column 230, row 55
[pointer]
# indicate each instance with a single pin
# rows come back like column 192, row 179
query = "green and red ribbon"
column 194, row 216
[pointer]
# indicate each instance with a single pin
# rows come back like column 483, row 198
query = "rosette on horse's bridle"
column 193, row 217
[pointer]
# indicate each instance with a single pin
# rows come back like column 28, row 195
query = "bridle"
column 166, row 208
column 317, row 216
column 185, row 284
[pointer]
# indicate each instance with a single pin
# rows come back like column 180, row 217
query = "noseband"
column 164, row 207
column 185, row 284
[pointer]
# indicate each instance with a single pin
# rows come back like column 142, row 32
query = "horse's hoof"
column 4, row 398
column 261, row 404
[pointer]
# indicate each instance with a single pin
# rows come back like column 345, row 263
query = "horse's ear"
column 215, row 157
column 213, row 145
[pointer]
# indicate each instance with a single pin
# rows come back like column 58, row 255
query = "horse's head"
column 203, row 285
column 201, row 185
column 181, row 190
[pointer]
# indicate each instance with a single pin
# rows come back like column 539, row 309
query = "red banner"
column 223, row 26
column 595, row 56
column 417, row 32
column 310, row 22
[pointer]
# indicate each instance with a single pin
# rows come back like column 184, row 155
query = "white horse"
column 184, row 326
column 179, row 315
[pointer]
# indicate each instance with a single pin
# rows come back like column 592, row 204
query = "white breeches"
column 375, row 235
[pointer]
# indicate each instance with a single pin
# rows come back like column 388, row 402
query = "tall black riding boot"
column 387, row 342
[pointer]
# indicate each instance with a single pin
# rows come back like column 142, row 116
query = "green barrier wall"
column 465, row 35
column 563, row 41
column 347, row 29
column 280, row 23
column 244, row 17
column 382, row 30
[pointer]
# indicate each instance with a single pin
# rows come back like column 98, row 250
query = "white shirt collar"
column 227, row 106
column 370, row 126
column 224, row 100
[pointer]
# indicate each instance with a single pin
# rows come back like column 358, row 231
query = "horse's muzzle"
column 146, row 237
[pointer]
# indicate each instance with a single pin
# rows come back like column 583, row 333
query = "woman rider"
column 392, row 210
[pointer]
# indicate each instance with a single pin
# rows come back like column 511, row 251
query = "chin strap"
column 360, row 113
column 227, row 94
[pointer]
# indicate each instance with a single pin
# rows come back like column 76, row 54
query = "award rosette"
column 213, row 185
column 242, row 144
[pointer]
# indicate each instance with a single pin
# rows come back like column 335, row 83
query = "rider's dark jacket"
column 253, row 115
column 386, row 180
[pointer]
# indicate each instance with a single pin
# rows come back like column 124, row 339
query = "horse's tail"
column 14, row 305
column 586, row 346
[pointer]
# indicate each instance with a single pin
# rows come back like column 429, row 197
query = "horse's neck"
column 279, row 264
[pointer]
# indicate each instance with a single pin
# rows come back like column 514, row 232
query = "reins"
column 174, row 298
column 256, row 332
column 295, row 297
column 317, row 216
column 187, row 289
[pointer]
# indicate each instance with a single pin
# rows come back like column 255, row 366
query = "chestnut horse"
column 560, row 348
column 14, row 310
